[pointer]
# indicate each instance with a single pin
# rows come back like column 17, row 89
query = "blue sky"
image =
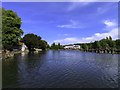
column 68, row 22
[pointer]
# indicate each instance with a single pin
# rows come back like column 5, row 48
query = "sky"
column 67, row 22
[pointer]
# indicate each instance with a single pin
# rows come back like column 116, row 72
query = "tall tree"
column 31, row 41
column 110, row 38
column 59, row 46
column 53, row 46
column 11, row 30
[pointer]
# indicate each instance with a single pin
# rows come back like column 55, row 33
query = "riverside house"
column 23, row 46
column 72, row 47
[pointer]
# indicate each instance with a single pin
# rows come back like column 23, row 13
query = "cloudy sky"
column 68, row 22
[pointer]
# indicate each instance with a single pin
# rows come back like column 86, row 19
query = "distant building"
column 72, row 47
column 76, row 46
column 23, row 47
column 68, row 47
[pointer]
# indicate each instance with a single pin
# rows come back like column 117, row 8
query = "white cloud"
column 67, row 40
column 112, row 31
column 110, row 24
column 72, row 24
column 96, row 36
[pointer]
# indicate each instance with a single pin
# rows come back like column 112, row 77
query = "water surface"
column 61, row 69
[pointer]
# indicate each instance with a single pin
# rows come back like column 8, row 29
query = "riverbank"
column 8, row 54
column 102, row 51
column 98, row 50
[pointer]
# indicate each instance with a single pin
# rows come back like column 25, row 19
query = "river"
column 61, row 69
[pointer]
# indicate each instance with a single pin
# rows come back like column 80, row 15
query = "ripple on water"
column 63, row 68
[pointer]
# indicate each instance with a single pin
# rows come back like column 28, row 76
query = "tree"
column 48, row 47
column 107, row 38
column 97, row 45
column 11, row 30
column 59, row 46
column 31, row 41
column 118, row 44
column 104, row 44
column 53, row 46
column 84, row 46
column 110, row 38
column 111, row 44
column 42, row 44
column 56, row 46
column 90, row 45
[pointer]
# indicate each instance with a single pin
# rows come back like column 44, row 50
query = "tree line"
column 105, row 44
column 12, row 32
column 56, row 46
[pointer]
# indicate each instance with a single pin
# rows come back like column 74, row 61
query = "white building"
column 76, row 46
column 72, row 47
column 23, row 47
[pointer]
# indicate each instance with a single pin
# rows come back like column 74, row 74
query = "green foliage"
column 84, row 46
column 117, row 44
column 56, row 46
column 96, row 45
column 42, row 44
column 110, row 38
column 89, row 45
column 104, row 44
column 11, row 31
column 33, row 41
column 107, row 43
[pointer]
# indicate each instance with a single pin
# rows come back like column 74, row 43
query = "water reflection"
column 62, row 68
column 9, row 73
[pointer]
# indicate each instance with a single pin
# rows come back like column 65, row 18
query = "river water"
column 61, row 69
